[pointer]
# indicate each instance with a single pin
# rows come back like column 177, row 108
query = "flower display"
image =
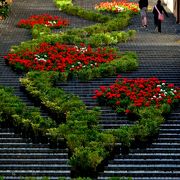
column 60, row 57
column 43, row 19
column 118, row 6
column 128, row 95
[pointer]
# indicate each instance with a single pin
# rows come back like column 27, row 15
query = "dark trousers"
column 157, row 23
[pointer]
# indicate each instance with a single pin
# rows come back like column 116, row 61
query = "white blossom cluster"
column 81, row 50
column 119, row 8
column 51, row 23
column 164, row 91
column 40, row 57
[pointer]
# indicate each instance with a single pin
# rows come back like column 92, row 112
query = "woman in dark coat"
column 161, row 9
column 143, row 5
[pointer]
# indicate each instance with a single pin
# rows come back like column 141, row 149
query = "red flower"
column 169, row 101
column 139, row 93
column 118, row 103
column 60, row 57
column 44, row 19
column 127, row 111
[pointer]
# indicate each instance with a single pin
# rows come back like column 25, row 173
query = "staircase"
column 21, row 158
column 160, row 160
column 159, row 57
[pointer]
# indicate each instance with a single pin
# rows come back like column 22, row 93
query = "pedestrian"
column 143, row 5
column 158, row 10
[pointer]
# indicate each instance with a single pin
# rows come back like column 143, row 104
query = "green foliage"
column 4, row 9
column 17, row 113
column 127, row 62
column 39, row 30
column 69, row 8
column 62, row 3
column 124, row 135
column 87, row 158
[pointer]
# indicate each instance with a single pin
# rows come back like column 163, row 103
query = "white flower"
column 163, row 84
column 72, row 66
column 172, row 93
column 158, row 85
column 41, row 59
column 154, row 96
column 79, row 62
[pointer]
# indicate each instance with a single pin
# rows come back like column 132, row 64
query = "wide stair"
column 21, row 158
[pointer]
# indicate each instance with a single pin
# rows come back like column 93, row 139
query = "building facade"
column 174, row 6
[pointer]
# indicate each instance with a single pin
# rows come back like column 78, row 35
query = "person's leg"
column 145, row 21
column 145, row 17
column 142, row 17
column 155, row 24
column 159, row 26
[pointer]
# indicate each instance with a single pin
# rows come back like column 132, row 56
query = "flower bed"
column 59, row 57
column 43, row 19
column 118, row 7
column 128, row 95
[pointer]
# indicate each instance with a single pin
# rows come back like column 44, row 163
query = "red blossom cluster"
column 60, row 57
column 43, row 19
column 127, row 93
column 118, row 6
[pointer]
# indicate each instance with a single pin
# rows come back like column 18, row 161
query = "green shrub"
column 39, row 30
column 4, row 8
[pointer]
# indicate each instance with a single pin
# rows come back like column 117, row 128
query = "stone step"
column 34, row 167
column 141, row 161
column 153, row 177
column 8, row 135
column 170, row 126
column 160, row 149
column 37, row 155
column 162, row 130
column 37, row 177
column 168, row 140
column 13, row 140
column 169, row 135
column 141, row 173
column 143, row 167
column 36, row 161
column 34, row 173
column 29, row 150
column 22, row 145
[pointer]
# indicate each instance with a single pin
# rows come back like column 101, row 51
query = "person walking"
column 143, row 5
column 157, row 11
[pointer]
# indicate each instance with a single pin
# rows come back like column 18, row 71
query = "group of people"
column 158, row 10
